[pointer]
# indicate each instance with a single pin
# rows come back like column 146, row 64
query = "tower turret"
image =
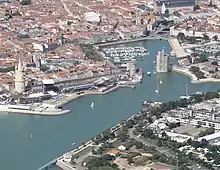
column 19, row 78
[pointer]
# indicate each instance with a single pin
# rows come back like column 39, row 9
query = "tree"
column 139, row 145
column 205, row 37
column 196, row 7
column 123, row 135
column 215, row 38
column 214, row 63
column 181, row 36
column 25, row 2
column 194, row 69
column 207, row 132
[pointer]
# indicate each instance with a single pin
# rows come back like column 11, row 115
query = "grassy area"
column 84, row 151
column 90, row 53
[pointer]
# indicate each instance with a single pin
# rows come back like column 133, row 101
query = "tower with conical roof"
column 163, row 9
column 19, row 78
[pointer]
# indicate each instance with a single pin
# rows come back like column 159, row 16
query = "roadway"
column 138, row 138
column 159, row 149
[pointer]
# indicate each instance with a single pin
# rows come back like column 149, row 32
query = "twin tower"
column 19, row 78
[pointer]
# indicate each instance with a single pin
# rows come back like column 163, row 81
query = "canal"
column 52, row 136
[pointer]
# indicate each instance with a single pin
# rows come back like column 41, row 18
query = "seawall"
column 194, row 78
column 130, row 40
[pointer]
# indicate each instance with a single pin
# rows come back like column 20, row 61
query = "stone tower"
column 19, row 78
column 163, row 9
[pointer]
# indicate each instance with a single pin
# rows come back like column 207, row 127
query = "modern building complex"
column 162, row 62
column 19, row 78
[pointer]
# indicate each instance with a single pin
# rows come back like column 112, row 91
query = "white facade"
column 178, row 137
column 175, row 32
column 19, row 79
column 211, row 138
column 92, row 17
column 162, row 62
column 39, row 47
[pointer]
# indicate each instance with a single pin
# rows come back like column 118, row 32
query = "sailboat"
column 157, row 90
column 31, row 135
column 161, row 82
column 186, row 92
column 92, row 105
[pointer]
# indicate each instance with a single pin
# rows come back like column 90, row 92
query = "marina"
column 55, row 135
column 124, row 54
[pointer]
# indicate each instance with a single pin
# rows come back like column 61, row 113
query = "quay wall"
column 64, row 166
column 43, row 113
column 70, row 97
column 193, row 77
column 129, row 41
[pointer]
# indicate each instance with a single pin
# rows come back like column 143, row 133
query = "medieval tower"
column 19, row 78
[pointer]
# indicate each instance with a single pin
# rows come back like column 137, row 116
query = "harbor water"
column 27, row 142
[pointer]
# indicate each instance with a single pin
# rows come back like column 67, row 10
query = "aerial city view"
column 110, row 85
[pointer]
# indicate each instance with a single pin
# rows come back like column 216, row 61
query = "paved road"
column 159, row 149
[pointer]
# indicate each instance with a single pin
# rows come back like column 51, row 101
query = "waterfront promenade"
column 68, row 97
column 177, row 49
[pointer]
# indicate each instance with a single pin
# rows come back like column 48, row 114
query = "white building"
column 162, row 62
column 175, row 31
column 19, row 78
column 215, row 137
column 179, row 137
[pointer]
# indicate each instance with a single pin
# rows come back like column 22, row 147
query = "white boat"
column 172, row 53
column 157, row 91
column 31, row 135
column 92, row 105
column 161, row 82
column 148, row 73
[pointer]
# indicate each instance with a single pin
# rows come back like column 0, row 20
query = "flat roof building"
column 212, row 138
column 175, row 3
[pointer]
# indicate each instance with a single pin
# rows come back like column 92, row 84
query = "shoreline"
column 193, row 78
column 66, row 99
column 72, row 96
column 130, row 41
column 29, row 112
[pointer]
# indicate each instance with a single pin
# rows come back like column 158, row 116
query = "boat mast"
column 186, row 90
